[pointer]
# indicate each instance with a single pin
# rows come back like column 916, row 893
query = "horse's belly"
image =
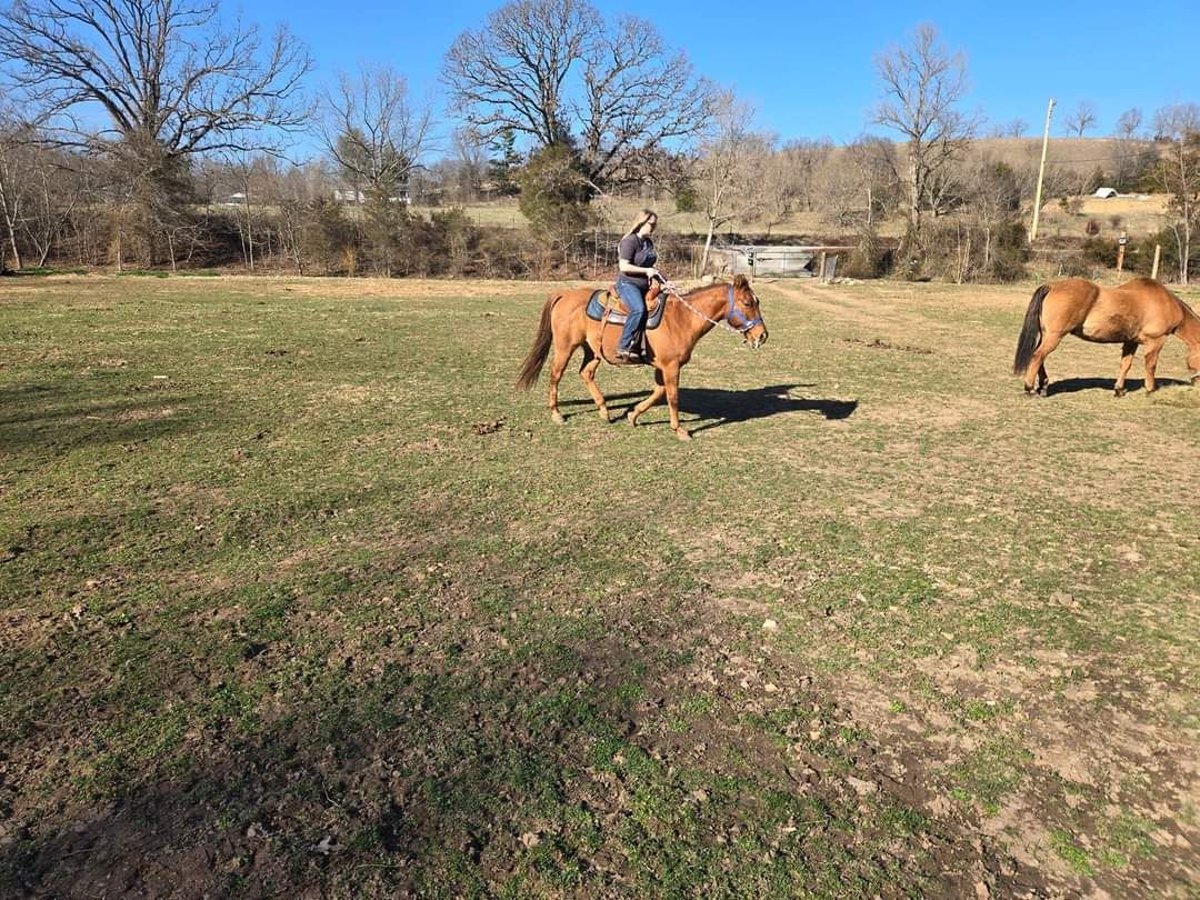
column 1107, row 329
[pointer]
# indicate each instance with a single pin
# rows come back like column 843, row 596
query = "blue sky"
column 809, row 69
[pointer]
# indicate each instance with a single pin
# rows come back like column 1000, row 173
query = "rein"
column 746, row 324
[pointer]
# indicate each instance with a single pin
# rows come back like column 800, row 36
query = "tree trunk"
column 12, row 239
column 10, row 222
column 914, row 195
column 712, row 224
column 249, row 233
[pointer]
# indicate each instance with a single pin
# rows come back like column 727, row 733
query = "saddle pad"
column 595, row 309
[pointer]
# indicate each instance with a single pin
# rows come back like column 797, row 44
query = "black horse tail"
column 1031, row 331
column 532, row 366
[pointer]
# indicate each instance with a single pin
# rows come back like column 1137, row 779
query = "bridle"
column 729, row 322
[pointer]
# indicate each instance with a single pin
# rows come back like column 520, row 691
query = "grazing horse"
column 565, row 323
column 1140, row 311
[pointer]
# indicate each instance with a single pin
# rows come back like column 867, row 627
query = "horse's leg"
column 1128, row 349
column 1037, row 365
column 1152, row 348
column 655, row 395
column 588, row 373
column 670, row 374
column 562, row 356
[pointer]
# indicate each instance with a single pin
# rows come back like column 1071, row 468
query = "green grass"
column 266, row 588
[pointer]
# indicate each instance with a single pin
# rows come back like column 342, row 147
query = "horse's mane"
column 704, row 287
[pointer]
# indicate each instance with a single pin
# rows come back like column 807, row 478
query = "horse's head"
column 745, row 313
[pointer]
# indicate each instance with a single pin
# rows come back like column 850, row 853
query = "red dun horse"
column 1141, row 311
column 566, row 325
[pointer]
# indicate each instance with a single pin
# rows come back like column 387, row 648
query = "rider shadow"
column 1074, row 385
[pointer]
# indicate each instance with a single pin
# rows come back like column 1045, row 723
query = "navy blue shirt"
column 640, row 252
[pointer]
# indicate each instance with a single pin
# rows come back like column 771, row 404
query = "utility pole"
column 1037, row 200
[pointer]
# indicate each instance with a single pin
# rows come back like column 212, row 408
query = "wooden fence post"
column 1157, row 257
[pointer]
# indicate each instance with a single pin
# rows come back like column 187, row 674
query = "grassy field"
column 297, row 596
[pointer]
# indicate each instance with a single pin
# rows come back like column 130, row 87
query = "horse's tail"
column 1031, row 331
column 532, row 366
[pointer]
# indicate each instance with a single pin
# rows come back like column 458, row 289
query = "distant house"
column 1105, row 193
column 346, row 195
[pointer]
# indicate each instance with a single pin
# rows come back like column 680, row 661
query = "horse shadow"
column 1075, row 385
column 728, row 407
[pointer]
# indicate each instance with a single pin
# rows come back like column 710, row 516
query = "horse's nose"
column 762, row 339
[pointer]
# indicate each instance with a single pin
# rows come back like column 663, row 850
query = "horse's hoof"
column 682, row 434
column 606, row 416
column 633, row 421
column 1031, row 394
column 1119, row 392
column 558, row 418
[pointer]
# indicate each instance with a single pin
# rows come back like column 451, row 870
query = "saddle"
column 605, row 306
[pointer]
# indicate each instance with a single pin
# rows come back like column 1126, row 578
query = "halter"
column 728, row 322
column 747, row 324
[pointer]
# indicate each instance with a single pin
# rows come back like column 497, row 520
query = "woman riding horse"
column 566, row 325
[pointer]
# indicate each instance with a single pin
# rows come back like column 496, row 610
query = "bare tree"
column 170, row 78
column 801, row 160
column 555, row 72
column 1129, row 124
column 1081, row 120
column 373, row 132
column 726, row 175
column 40, row 190
column 776, row 188
column 1178, row 173
column 1014, row 128
column 165, row 70
column 1133, row 154
column 14, row 138
column 923, row 85
column 992, row 191
column 859, row 184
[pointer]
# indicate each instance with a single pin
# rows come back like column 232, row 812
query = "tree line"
column 153, row 133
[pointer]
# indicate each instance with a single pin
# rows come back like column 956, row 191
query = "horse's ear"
column 741, row 283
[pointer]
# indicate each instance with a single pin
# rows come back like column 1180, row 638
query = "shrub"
column 1141, row 257
column 870, row 259
column 1075, row 266
column 1100, row 252
column 961, row 252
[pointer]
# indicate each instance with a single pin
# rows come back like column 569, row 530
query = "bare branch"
column 168, row 70
column 923, row 86
column 554, row 72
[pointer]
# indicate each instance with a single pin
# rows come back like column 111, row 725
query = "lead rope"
column 674, row 293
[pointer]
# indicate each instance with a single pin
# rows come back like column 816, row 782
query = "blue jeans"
column 635, row 304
